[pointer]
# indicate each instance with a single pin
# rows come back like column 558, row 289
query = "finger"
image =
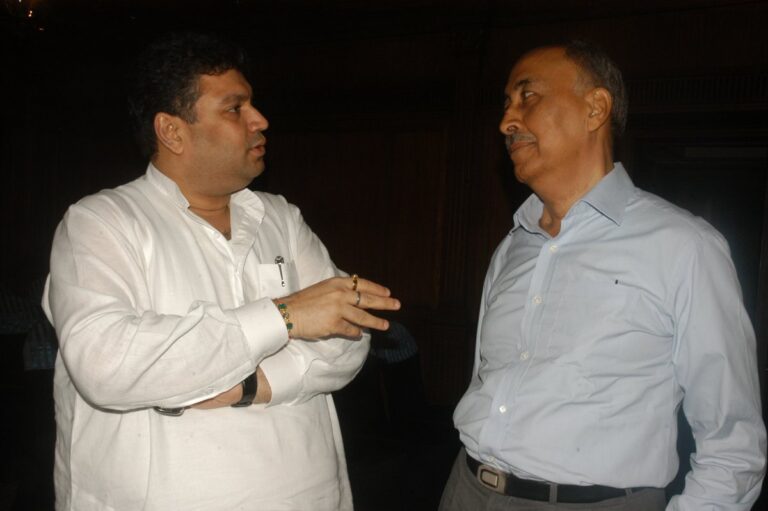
column 368, row 301
column 342, row 328
column 370, row 287
column 363, row 319
column 352, row 331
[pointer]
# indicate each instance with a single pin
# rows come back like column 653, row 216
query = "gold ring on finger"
column 354, row 282
column 357, row 300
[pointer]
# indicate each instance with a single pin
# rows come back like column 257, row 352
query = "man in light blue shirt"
column 603, row 310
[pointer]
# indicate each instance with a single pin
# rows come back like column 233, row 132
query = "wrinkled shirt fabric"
column 589, row 341
column 154, row 307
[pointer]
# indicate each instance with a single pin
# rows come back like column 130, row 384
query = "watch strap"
column 250, row 386
column 171, row 412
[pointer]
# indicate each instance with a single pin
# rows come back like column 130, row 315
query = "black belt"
column 513, row 486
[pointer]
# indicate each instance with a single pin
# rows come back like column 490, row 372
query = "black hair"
column 603, row 72
column 165, row 78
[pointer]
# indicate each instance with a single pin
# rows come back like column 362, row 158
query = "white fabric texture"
column 588, row 341
column 154, row 307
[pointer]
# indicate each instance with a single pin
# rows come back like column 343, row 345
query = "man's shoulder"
column 274, row 200
column 126, row 199
column 669, row 220
column 272, row 205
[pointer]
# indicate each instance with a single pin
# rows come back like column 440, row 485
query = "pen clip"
column 279, row 262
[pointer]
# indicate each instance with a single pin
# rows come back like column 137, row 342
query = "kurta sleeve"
column 119, row 352
column 304, row 369
column 715, row 364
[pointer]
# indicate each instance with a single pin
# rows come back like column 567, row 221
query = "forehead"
column 544, row 66
column 226, row 84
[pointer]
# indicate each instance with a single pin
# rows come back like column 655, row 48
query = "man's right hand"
column 330, row 308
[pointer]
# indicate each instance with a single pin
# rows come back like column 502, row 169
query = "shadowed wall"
column 384, row 130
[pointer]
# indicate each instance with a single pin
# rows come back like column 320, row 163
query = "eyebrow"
column 522, row 83
column 517, row 86
column 235, row 98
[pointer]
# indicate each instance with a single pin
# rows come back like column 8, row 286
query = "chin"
column 520, row 172
column 527, row 175
column 254, row 171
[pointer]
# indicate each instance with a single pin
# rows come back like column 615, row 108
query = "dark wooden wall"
column 383, row 130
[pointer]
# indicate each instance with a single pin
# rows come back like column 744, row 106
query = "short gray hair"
column 603, row 72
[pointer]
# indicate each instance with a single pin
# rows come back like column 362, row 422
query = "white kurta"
column 154, row 307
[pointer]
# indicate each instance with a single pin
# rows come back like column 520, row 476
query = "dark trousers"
column 464, row 493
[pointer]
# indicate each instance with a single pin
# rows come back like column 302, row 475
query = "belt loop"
column 552, row 493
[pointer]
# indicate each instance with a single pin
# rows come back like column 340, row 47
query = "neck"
column 565, row 188
column 217, row 217
column 199, row 196
column 207, row 210
column 214, row 209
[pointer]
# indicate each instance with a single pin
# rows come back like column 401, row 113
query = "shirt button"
column 537, row 299
column 553, row 248
column 503, row 409
column 524, row 355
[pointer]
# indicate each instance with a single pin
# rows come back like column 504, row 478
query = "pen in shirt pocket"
column 279, row 262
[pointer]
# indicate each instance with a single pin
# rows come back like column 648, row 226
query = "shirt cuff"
column 284, row 376
column 263, row 326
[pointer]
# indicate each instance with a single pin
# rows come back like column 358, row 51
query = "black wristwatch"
column 171, row 412
column 250, row 385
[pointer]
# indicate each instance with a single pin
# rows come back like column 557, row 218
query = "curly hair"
column 165, row 78
column 603, row 72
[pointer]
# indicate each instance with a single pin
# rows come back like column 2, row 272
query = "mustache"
column 518, row 137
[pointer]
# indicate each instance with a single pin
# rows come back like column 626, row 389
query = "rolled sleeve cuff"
column 263, row 326
column 284, row 376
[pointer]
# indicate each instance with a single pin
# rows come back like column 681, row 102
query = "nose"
column 256, row 121
column 510, row 121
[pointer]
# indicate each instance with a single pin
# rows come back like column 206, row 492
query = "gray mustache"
column 518, row 137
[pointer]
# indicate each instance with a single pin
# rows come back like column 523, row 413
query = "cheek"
column 556, row 128
column 206, row 139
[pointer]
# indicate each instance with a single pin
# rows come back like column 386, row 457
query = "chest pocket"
column 589, row 313
column 273, row 281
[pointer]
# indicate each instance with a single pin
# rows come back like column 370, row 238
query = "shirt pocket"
column 273, row 281
column 591, row 310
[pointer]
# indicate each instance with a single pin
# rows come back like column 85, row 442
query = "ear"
column 169, row 132
column 600, row 103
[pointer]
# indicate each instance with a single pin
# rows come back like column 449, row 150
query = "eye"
column 235, row 109
column 526, row 94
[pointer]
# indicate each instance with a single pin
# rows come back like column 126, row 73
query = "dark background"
column 383, row 129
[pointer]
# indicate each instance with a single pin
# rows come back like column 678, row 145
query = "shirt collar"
column 611, row 194
column 609, row 197
column 245, row 198
column 166, row 185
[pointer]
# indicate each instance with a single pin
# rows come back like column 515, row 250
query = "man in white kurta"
column 157, row 306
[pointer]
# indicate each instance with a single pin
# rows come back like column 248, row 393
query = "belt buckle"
column 492, row 478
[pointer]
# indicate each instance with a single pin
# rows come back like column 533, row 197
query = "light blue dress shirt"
column 588, row 342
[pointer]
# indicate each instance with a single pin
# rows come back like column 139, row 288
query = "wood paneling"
column 374, row 192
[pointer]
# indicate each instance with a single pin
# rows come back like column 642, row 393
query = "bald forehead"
column 549, row 63
column 550, row 53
